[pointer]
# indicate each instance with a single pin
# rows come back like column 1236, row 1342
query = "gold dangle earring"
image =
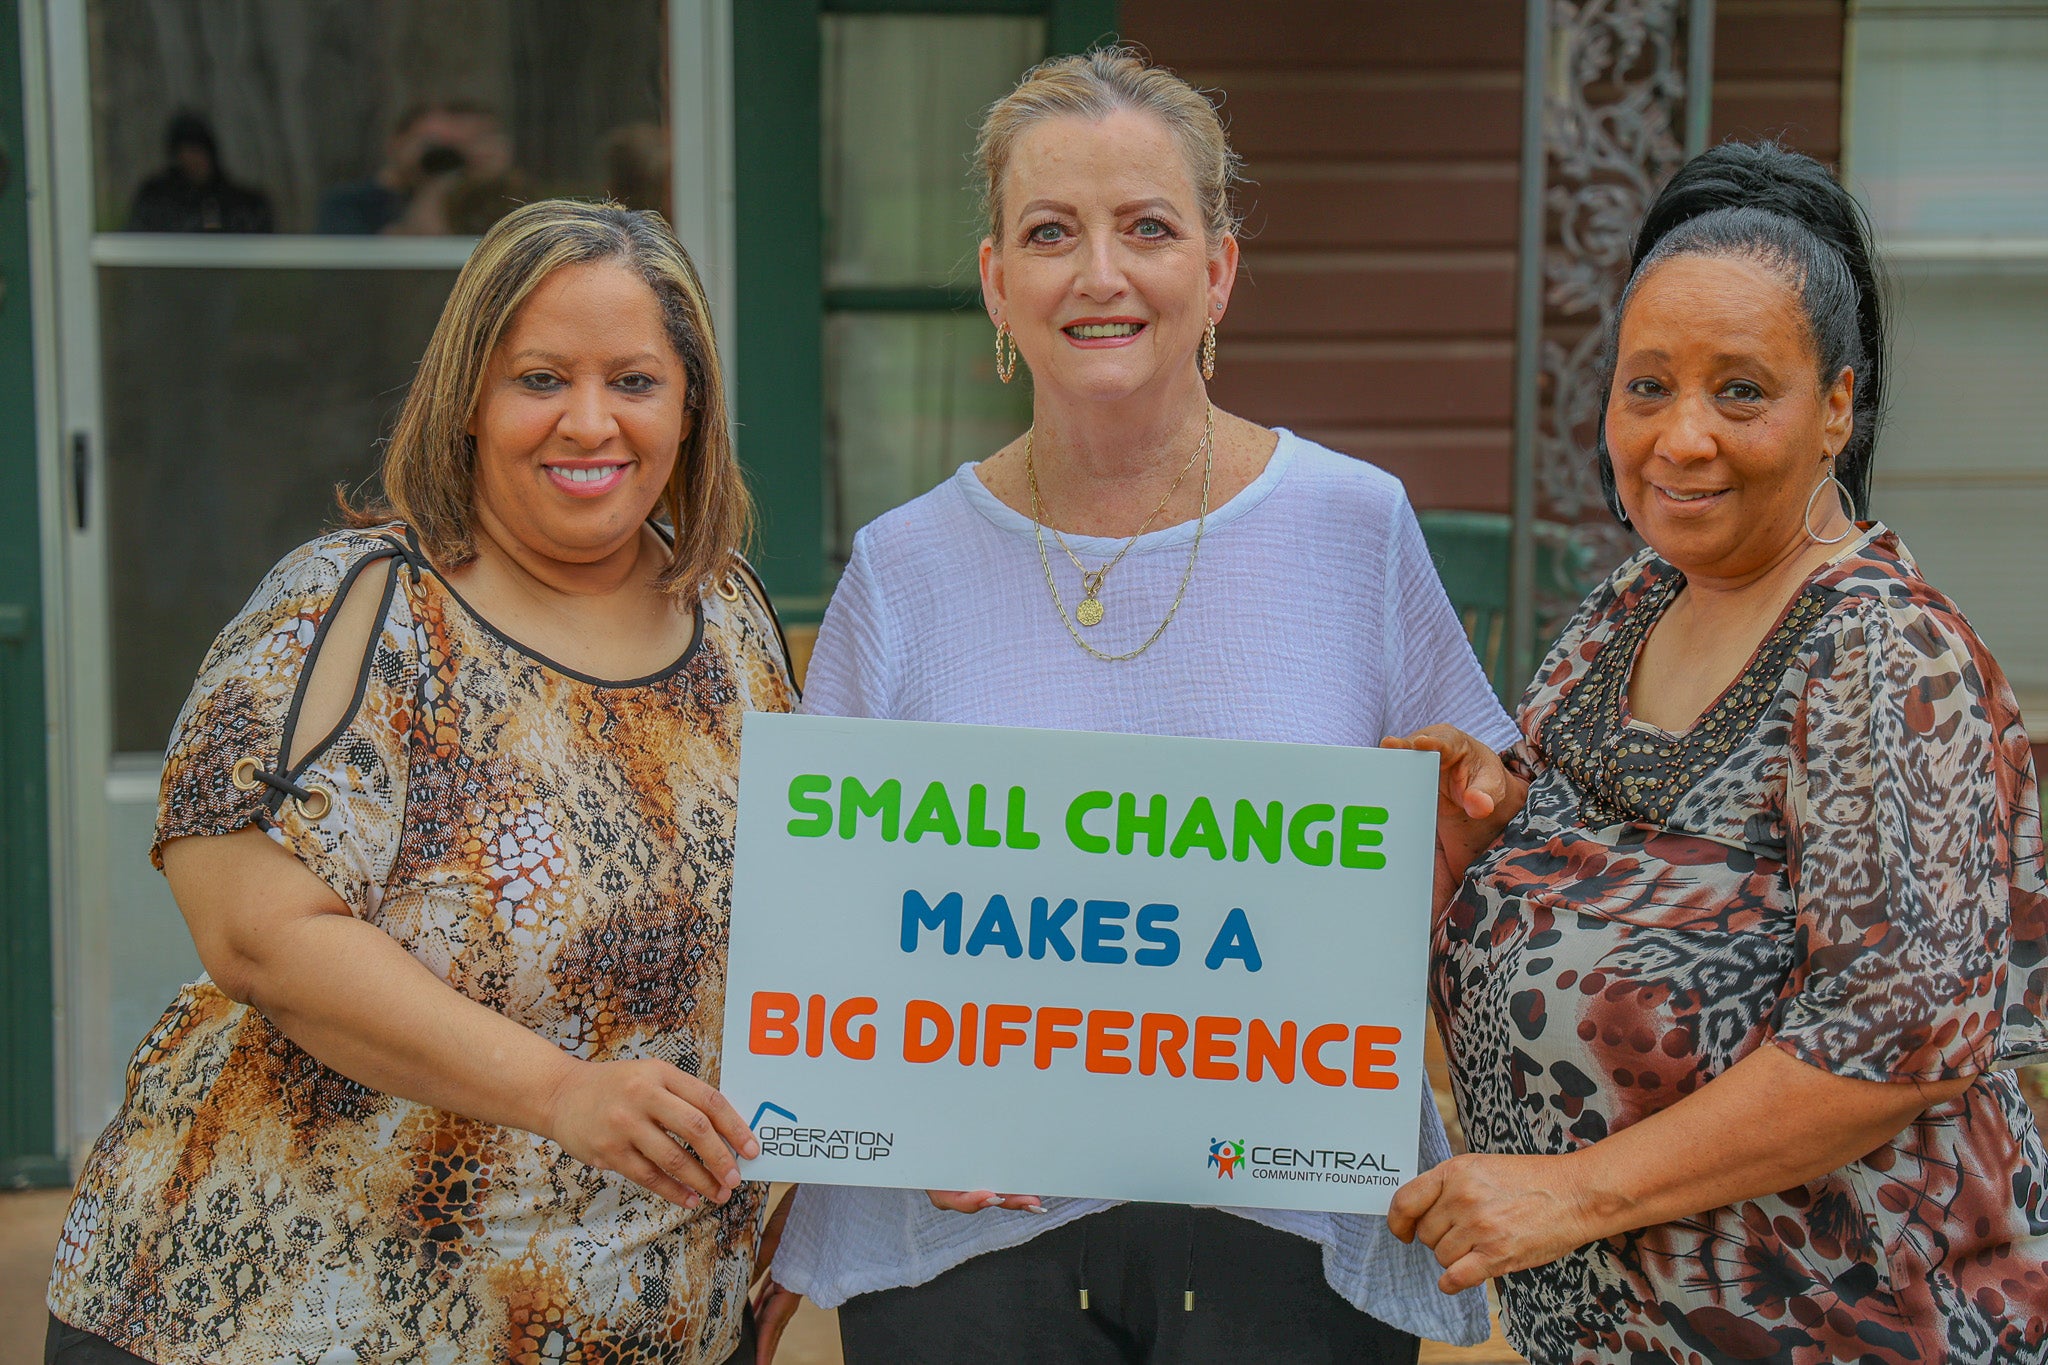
column 1006, row 353
column 1209, row 354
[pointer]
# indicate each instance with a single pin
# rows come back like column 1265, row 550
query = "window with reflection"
column 419, row 117
column 910, row 384
column 236, row 401
column 236, row 395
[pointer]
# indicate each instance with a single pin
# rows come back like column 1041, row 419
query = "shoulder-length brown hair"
column 429, row 467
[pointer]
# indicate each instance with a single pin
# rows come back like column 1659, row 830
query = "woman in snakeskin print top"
column 450, row 815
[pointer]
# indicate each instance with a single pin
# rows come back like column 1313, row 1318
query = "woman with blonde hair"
column 1135, row 562
column 449, row 814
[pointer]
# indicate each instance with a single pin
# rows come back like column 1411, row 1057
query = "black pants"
column 1259, row 1294
column 67, row 1345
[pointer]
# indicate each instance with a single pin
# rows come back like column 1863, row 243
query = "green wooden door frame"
column 1077, row 25
column 28, row 1079
column 778, row 215
column 779, row 244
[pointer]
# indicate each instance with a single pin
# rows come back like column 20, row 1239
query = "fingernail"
column 752, row 1149
column 691, row 1201
column 992, row 1201
column 1036, row 1208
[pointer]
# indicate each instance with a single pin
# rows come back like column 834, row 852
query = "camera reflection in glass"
column 448, row 169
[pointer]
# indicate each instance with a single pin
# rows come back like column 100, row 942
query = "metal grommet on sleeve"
column 729, row 588
column 314, row 802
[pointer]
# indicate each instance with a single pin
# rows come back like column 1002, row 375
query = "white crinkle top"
column 1314, row 616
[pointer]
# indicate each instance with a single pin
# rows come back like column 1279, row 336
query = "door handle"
column 81, row 478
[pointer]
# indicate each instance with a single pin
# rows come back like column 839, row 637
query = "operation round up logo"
column 824, row 1144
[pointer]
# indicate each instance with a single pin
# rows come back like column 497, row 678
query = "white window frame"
column 88, row 780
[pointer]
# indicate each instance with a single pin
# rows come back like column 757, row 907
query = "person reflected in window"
column 194, row 193
column 636, row 162
column 448, row 170
column 1753, row 922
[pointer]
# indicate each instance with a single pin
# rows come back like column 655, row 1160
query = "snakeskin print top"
column 555, row 846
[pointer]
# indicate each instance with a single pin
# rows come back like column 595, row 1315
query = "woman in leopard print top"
column 1733, row 999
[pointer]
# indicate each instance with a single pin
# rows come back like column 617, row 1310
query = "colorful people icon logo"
column 1226, row 1156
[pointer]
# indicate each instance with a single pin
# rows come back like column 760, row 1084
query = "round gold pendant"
column 1089, row 612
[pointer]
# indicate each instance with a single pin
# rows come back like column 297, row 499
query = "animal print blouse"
column 554, row 846
column 1842, row 859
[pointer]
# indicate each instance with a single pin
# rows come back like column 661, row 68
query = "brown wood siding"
column 1375, row 310
column 1778, row 73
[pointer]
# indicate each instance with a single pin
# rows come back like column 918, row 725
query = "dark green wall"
column 780, row 347
column 28, row 1152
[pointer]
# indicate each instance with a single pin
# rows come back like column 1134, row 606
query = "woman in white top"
column 1139, row 562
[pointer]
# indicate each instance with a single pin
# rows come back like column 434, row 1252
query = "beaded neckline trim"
column 1630, row 773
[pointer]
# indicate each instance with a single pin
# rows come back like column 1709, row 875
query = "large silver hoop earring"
column 1847, row 502
column 1610, row 489
column 1620, row 512
column 1006, row 353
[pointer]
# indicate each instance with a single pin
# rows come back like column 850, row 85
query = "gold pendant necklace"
column 1089, row 612
column 1091, row 588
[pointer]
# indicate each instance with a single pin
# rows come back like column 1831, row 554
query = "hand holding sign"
column 1486, row 1215
column 636, row 1116
column 980, row 1201
column 1476, row 797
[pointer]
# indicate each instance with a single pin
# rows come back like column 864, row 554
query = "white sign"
column 1062, row 963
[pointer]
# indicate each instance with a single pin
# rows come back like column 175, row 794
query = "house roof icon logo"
column 767, row 1108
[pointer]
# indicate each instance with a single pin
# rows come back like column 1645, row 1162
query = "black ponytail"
column 1763, row 202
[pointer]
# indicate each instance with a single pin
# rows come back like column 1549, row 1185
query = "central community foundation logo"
column 1328, row 1165
column 1226, row 1156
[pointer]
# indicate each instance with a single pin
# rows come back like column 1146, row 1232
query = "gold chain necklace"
column 1089, row 612
column 1208, row 453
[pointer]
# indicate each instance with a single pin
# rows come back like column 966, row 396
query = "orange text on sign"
column 1207, row 1047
